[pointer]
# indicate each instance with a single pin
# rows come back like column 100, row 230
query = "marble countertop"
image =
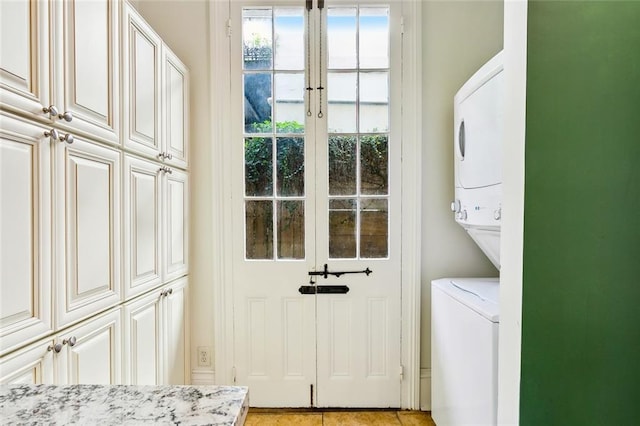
column 123, row 405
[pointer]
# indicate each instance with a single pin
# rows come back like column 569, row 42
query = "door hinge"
column 233, row 375
column 402, row 25
column 310, row 395
column 401, row 372
column 228, row 27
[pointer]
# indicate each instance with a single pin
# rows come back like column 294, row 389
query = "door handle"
column 323, row 289
column 326, row 272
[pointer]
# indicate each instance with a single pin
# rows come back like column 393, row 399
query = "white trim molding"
column 220, row 98
column 411, row 199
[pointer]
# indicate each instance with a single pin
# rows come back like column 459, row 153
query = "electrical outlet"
column 204, row 356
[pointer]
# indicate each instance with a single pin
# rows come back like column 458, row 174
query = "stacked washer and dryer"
column 465, row 311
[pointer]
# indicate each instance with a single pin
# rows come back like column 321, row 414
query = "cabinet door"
column 24, row 56
column 141, row 52
column 176, row 334
column 92, row 352
column 86, row 68
column 176, row 226
column 142, row 331
column 87, row 229
column 30, row 365
column 175, row 113
column 25, row 229
column 142, row 207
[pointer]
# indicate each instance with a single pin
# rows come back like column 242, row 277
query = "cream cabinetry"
column 83, row 197
column 25, row 233
column 155, row 87
column 156, row 337
column 93, row 222
column 88, row 353
column 87, row 229
column 155, row 223
column 65, row 55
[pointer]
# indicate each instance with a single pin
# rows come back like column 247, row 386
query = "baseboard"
column 203, row 377
column 425, row 389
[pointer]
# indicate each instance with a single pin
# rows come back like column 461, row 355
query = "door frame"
column 220, row 105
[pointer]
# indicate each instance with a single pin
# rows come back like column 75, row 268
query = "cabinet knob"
column 53, row 134
column 71, row 341
column 51, row 110
column 67, row 137
column 165, row 169
column 56, row 348
column 165, row 156
column 66, row 116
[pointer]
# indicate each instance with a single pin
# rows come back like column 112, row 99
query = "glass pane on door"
column 274, row 132
column 358, row 131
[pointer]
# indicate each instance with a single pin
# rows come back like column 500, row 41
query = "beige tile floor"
column 273, row 417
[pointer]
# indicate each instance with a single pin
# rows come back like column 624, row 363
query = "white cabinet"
column 155, row 225
column 70, row 73
column 155, row 88
column 25, row 233
column 156, row 337
column 176, row 223
column 87, row 229
column 30, row 365
column 63, row 54
column 142, row 222
column 176, row 334
column 24, row 56
column 141, row 53
column 91, row 351
column 175, row 109
column 88, row 353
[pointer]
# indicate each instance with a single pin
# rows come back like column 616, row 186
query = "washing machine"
column 464, row 351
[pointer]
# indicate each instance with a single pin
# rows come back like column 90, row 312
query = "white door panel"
column 92, row 351
column 141, row 50
column 24, row 56
column 142, row 344
column 87, row 229
column 175, row 335
column 86, row 55
column 176, row 223
column 25, row 233
column 175, row 109
column 30, row 365
column 142, row 225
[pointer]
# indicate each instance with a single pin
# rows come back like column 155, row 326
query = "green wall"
column 581, row 273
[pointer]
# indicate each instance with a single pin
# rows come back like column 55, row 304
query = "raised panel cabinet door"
column 30, row 365
column 87, row 229
column 92, row 352
column 143, row 355
column 25, row 233
column 86, row 66
column 176, row 334
column 142, row 225
column 176, row 224
column 175, row 114
column 24, row 56
column 141, row 53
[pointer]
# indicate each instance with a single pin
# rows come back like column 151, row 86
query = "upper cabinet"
column 155, row 88
column 141, row 53
column 24, row 56
column 85, row 55
column 59, row 63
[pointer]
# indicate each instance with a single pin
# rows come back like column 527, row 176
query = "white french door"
column 316, row 202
